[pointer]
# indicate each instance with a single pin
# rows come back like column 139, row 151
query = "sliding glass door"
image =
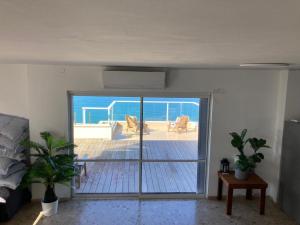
column 139, row 145
column 170, row 145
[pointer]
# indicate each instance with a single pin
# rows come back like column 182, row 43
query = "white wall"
column 244, row 99
column 47, row 100
column 13, row 89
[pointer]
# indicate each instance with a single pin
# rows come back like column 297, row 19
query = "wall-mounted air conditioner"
column 134, row 79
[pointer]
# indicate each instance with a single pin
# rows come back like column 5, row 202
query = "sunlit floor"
column 154, row 212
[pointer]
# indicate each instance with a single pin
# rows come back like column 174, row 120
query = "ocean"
column 152, row 111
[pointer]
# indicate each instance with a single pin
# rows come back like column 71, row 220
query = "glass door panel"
column 106, row 127
column 169, row 177
column 108, row 178
column 106, row 130
column 170, row 128
column 170, row 150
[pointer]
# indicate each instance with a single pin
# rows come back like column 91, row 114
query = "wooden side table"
column 253, row 182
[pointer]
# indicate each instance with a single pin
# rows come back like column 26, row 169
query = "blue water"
column 152, row 111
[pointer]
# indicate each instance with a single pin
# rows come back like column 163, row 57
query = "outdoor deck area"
column 157, row 177
column 122, row 177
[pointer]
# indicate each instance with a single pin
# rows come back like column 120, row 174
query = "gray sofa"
column 14, row 160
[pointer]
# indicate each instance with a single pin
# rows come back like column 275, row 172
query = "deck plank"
column 101, row 182
column 125, row 180
column 121, row 170
column 108, row 180
column 98, row 172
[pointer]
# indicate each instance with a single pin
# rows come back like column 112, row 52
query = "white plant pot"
column 241, row 175
column 50, row 209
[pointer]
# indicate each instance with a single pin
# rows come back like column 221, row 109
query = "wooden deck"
column 123, row 177
column 168, row 149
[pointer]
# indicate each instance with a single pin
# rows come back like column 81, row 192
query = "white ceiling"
column 150, row 32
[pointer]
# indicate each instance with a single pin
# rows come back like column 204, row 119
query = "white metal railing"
column 110, row 113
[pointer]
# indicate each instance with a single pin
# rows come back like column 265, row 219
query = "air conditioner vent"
column 134, row 79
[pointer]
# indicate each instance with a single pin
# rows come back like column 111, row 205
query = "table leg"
column 220, row 188
column 84, row 167
column 262, row 201
column 229, row 201
column 249, row 193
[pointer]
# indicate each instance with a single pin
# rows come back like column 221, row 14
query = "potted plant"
column 53, row 164
column 244, row 164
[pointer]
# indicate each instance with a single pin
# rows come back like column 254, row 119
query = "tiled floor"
column 154, row 212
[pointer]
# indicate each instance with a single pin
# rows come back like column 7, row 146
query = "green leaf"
column 66, row 146
column 51, row 166
column 36, row 146
column 243, row 134
column 234, row 135
column 45, row 135
column 238, row 140
column 257, row 144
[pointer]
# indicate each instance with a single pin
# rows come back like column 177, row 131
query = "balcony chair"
column 181, row 124
column 133, row 125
